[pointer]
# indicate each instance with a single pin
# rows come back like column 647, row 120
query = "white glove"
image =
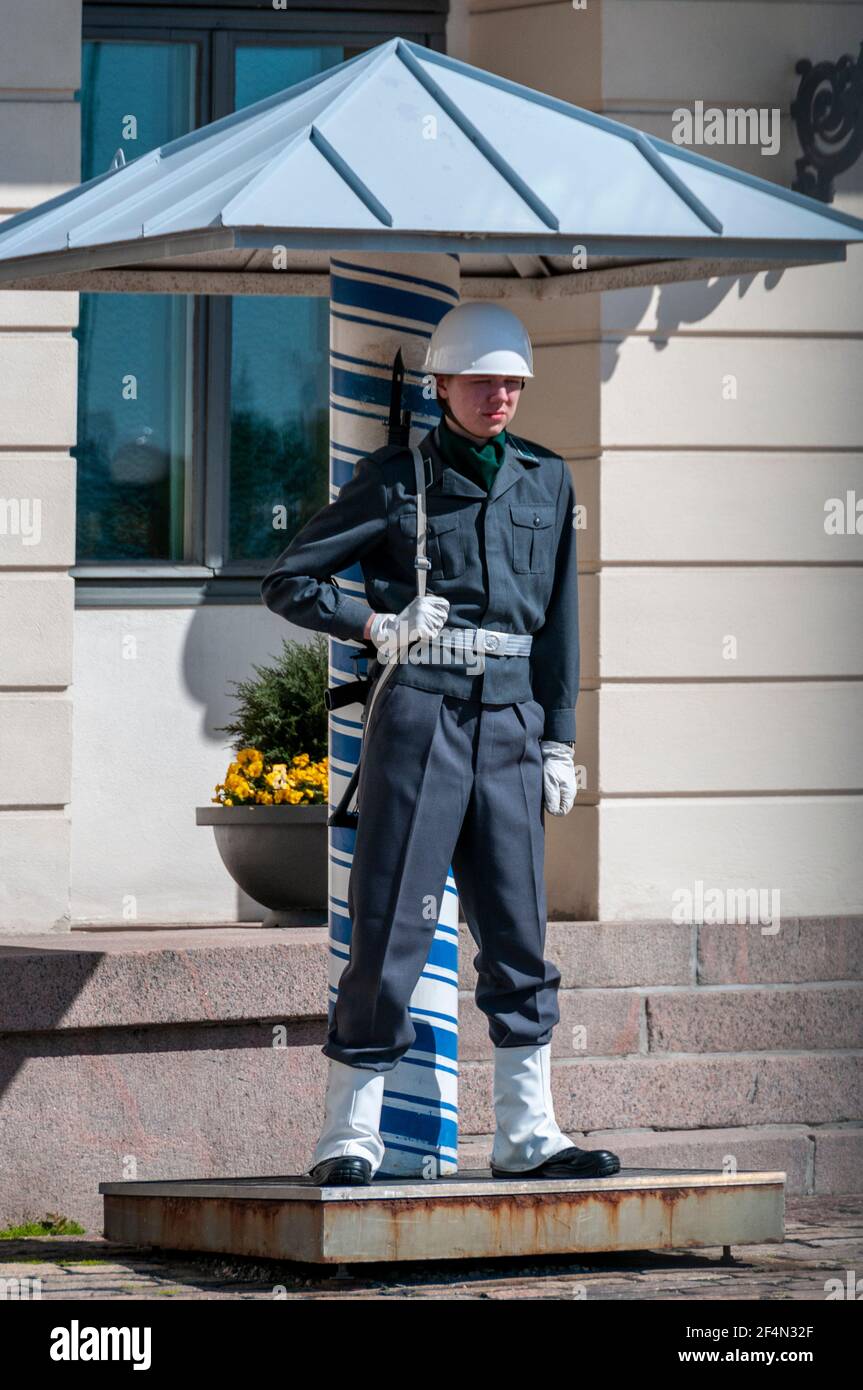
column 558, row 777
column 423, row 618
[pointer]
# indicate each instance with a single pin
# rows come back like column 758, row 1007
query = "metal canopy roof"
column 507, row 178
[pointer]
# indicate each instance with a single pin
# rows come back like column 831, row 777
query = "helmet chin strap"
column 447, row 410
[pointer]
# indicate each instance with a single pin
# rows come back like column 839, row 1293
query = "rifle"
column 357, row 691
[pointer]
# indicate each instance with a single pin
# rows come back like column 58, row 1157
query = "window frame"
column 218, row 28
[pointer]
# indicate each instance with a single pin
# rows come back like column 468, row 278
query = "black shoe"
column 344, row 1170
column 569, row 1163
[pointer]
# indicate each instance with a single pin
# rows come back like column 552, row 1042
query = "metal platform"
column 469, row 1216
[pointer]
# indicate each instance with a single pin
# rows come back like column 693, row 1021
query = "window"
column 198, row 413
column 279, row 364
column 134, row 351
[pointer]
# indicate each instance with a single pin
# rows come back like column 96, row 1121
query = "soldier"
column 470, row 740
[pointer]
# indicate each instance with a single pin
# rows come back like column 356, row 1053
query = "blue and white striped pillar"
column 378, row 304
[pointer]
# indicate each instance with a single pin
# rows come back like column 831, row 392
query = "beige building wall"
column 40, row 70
column 721, row 650
column 707, row 425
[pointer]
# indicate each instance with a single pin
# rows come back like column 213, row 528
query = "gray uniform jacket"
column 505, row 559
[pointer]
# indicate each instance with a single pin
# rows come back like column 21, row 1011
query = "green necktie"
column 480, row 462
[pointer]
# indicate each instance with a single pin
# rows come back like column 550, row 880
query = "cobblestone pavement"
column 824, row 1240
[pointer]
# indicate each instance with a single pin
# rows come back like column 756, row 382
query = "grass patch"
column 50, row 1225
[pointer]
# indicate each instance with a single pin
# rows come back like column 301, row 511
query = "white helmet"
column 479, row 339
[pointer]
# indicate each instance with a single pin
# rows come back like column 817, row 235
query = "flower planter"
column 276, row 854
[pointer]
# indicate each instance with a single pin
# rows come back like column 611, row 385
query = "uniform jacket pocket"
column 444, row 544
column 532, row 536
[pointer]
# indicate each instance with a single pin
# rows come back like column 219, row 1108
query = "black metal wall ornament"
column 828, row 114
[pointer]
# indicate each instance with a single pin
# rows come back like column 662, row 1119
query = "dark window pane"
column 260, row 72
column 279, row 420
column 134, row 416
column 279, row 454
column 134, row 363
column 134, row 97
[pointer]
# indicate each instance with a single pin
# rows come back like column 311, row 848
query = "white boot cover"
column 352, row 1114
column 527, row 1132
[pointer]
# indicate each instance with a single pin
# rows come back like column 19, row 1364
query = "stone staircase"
column 174, row 1052
column 708, row 1046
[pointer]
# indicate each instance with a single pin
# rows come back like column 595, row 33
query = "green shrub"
column 282, row 712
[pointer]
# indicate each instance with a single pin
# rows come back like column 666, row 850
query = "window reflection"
column 134, row 351
column 279, row 453
column 135, row 381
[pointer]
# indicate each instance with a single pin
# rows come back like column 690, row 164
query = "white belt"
column 473, row 640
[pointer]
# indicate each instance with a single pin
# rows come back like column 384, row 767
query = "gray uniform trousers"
column 445, row 780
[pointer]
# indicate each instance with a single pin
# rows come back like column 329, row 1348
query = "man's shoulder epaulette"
column 391, row 452
column 386, row 452
column 529, row 449
column 401, row 462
